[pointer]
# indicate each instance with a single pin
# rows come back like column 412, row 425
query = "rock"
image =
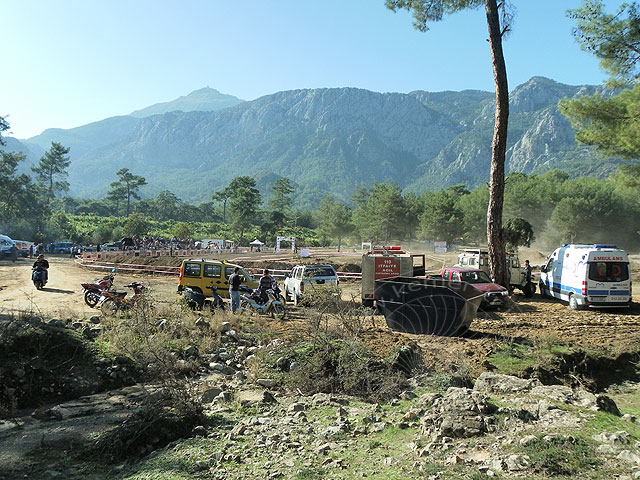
column 460, row 413
column 94, row 319
column 202, row 323
column 454, row 460
column 527, row 440
column 266, row 382
column 516, row 463
column 629, row 418
column 55, row 323
column 629, row 456
column 77, row 325
column 45, row 413
column 199, row 431
column 224, row 327
column 323, row 449
column 225, row 397
column 578, row 398
column 283, row 363
column 614, row 439
column 606, row 404
column 297, row 407
column 606, row 449
column 489, row 383
column 294, row 366
column 191, row 351
column 210, row 394
column 267, row 397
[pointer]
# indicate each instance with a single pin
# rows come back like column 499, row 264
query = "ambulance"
column 587, row 276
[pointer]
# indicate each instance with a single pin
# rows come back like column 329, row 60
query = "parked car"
column 115, row 246
column 303, row 277
column 62, row 247
column 23, row 247
column 199, row 274
column 8, row 248
column 494, row 295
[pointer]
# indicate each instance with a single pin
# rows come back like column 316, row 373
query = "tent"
column 256, row 243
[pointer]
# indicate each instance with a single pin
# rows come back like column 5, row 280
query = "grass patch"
column 561, row 456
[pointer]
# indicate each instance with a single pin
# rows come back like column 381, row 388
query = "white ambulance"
column 587, row 276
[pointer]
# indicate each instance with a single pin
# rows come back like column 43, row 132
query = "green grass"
column 515, row 359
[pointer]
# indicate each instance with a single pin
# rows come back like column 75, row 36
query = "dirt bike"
column 197, row 301
column 39, row 277
column 93, row 291
column 264, row 303
column 111, row 302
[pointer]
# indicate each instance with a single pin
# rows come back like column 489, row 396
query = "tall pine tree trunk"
column 495, row 238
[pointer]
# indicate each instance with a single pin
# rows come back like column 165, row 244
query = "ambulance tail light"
column 301, row 287
column 584, row 288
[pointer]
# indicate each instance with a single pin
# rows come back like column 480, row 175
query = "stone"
column 94, row 319
column 614, row 439
column 202, row 323
column 606, row 404
column 297, row 407
column 282, row 363
column 629, row 456
column 527, row 440
column 210, row 394
column 267, row 397
column 629, row 418
column 489, row 382
column 266, row 382
column 56, row 323
column 516, row 463
column 224, row 397
column 323, row 449
column 225, row 327
column 199, row 431
column 191, row 351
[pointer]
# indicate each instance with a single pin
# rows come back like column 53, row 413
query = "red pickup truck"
column 494, row 295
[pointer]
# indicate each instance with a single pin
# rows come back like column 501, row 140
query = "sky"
column 66, row 63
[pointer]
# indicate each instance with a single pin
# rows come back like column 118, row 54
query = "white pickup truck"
column 304, row 277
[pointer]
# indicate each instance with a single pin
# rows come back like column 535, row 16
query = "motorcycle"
column 265, row 303
column 39, row 277
column 110, row 301
column 93, row 291
column 196, row 300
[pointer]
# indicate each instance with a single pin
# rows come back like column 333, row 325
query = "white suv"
column 304, row 277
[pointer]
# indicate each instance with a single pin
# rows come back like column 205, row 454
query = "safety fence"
column 167, row 252
column 173, row 270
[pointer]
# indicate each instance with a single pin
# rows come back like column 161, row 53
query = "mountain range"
column 326, row 140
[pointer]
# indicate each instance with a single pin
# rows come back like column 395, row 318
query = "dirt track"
column 534, row 320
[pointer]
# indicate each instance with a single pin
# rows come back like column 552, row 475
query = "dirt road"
column 62, row 296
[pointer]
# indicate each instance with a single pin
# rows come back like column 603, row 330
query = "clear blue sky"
column 71, row 62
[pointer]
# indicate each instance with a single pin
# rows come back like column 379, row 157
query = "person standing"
column 235, row 280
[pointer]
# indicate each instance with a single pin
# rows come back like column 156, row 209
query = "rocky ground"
column 462, row 413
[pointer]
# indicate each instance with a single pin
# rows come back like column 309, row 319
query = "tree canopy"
column 51, row 171
column 609, row 122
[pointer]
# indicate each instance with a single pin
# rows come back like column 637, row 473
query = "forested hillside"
column 327, row 141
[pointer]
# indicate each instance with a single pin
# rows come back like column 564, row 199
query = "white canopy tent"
column 257, row 243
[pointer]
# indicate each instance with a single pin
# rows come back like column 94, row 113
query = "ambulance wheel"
column 573, row 303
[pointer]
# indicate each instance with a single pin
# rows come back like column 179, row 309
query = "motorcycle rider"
column 42, row 265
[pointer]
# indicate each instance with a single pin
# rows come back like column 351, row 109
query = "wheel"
column 91, row 298
column 244, row 305
column 38, row 284
column 278, row 310
column 109, row 307
column 528, row 290
column 573, row 303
